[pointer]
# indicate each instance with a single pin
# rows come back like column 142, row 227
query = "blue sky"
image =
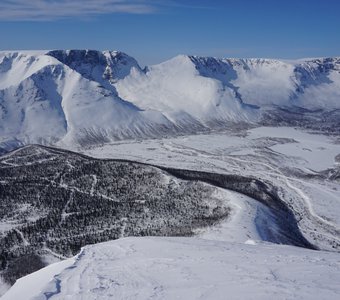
column 155, row 30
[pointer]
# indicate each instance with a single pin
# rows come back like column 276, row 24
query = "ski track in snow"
column 94, row 183
column 25, row 242
column 63, row 213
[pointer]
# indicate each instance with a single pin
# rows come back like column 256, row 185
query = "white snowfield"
column 188, row 268
column 89, row 97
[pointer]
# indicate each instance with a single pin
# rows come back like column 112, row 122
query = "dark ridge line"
column 256, row 189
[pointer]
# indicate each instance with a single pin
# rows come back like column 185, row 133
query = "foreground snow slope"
column 190, row 268
column 31, row 284
column 90, row 97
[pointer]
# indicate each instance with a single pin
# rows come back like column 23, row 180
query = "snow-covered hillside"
column 185, row 268
column 88, row 97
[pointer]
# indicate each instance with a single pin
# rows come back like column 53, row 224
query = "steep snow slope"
column 208, row 81
column 48, row 101
column 17, row 66
column 31, row 284
column 177, row 88
column 86, row 96
column 188, row 268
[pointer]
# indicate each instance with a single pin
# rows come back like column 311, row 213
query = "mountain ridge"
column 84, row 97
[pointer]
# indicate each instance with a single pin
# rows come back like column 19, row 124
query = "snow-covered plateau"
column 198, row 178
column 186, row 268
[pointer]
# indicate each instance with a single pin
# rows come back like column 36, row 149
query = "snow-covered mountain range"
column 86, row 96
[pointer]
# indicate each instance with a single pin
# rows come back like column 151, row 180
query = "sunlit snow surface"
column 190, row 268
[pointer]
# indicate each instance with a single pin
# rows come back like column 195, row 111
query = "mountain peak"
column 97, row 65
